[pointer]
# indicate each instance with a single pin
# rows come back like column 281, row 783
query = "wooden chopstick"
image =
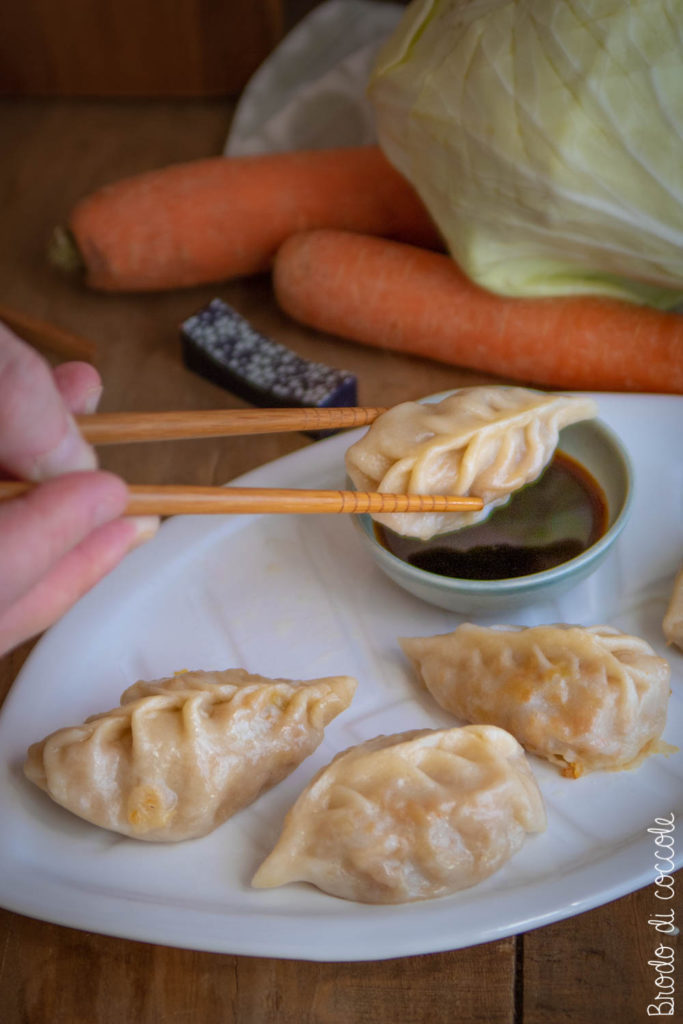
column 119, row 427
column 44, row 335
column 169, row 500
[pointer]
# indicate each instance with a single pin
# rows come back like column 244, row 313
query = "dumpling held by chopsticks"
column 481, row 441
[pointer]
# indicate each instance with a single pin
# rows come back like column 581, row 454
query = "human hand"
column 61, row 537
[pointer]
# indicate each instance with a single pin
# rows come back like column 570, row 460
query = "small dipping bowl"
column 595, row 447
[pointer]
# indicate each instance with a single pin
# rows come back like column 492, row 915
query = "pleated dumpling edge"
column 183, row 754
column 413, row 816
column 486, row 441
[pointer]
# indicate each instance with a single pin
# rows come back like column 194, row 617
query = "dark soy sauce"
column 543, row 525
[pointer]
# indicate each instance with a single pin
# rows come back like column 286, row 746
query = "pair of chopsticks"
column 124, row 427
column 165, row 500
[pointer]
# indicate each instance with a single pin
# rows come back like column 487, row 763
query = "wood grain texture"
column 134, row 47
column 590, row 968
column 594, row 967
column 146, row 984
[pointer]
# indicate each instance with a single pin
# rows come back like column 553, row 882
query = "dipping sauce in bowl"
column 549, row 522
column 552, row 534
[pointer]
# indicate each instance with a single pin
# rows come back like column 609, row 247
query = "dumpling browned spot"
column 583, row 697
column 183, row 754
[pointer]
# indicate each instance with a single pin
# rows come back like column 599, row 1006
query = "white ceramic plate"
column 296, row 597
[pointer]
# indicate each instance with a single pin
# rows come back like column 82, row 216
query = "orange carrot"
column 402, row 297
column 223, row 217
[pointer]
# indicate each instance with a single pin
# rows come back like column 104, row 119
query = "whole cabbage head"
column 545, row 138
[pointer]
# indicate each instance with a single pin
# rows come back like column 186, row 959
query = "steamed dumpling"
column 409, row 817
column 480, row 441
column 181, row 755
column 585, row 698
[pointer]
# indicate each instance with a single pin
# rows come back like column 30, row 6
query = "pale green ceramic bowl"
column 601, row 452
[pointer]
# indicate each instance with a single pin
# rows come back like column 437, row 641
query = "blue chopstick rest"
column 220, row 345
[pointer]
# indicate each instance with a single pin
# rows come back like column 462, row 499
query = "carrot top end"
column 63, row 252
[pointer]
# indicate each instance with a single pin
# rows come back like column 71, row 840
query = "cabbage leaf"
column 545, row 138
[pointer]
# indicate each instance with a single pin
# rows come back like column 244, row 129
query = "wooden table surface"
column 592, row 967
